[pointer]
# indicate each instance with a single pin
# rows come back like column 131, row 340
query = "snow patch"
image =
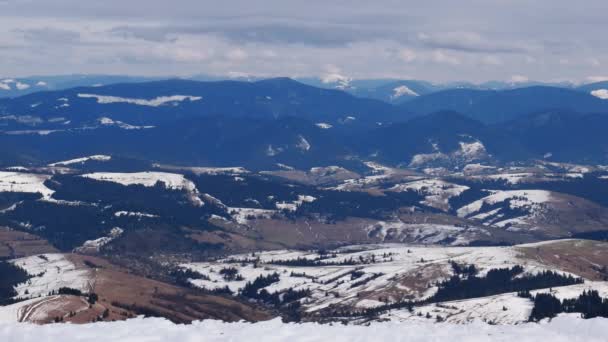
column 403, row 91
column 303, row 144
column 324, row 125
column 155, row 102
column 97, row 157
column 600, row 93
column 51, row 272
column 25, row 182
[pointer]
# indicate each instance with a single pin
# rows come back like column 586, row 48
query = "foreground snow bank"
column 568, row 329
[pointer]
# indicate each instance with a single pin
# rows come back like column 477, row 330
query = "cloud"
column 470, row 42
column 519, row 79
column 443, row 57
column 407, row 55
column 595, row 79
column 49, row 35
column 435, row 40
column 491, row 60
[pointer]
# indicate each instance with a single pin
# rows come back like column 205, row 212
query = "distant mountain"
column 14, row 87
column 501, row 106
column 154, row 103
column 396, row 91
column 223, row 141
column 562, row 135
column 281, row 121
column 599, row 89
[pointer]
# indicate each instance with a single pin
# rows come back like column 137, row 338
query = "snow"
column 271, row 151
column 242, row 215
column 472, row 151
column 24, row 182
column 423, row 232
column 437, row 192
column 487, row 309
column 24, row 119
column 303, row 144
column 512, row 178
column 22, row 86
column 51, row 272
column 148, row 178
column 402, row 91
column 477, row 168
column 530, row 199
column 323, row 125
column 155, row 102
column 343, row 82
column 467, row 152
column 293, row 206
column 392, row 264
column 565, row 328
column 172, row 181
column 37, row 132
column 133, row 214
column 109, row 122
column 97, row 157
column 425, row 158
column 600, row 93
column 14, row 312
column 197, row 170
column 102, row 241
column 285, row 167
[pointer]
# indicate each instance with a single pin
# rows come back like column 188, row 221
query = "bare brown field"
column 16, row 244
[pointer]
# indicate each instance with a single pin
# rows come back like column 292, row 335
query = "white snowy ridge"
column 155, row 102
column 109, row 122
column 402, row 91
column 97, row 157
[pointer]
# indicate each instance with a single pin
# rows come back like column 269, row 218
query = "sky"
column 435, row 40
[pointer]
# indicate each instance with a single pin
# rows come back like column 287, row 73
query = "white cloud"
column 594, row 62
column 595, row 79
column 491, row 60
column 368, row 39
column 237, row 55
column 407, row 55
column 519, row 79
column 445, row 58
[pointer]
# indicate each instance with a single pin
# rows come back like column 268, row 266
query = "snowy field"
column 561, row 329
column 383, row 270
column 50, row 273
column 24, row 182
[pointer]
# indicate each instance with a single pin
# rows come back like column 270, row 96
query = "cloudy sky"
column 437, row 40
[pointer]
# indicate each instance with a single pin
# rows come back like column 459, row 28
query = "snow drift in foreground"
column 566, row 328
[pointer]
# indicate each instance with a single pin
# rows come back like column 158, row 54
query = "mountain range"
column 281, row 121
